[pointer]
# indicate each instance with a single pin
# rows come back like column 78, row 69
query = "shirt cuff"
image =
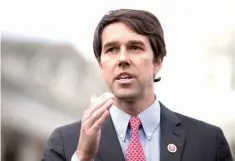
column 75, row 158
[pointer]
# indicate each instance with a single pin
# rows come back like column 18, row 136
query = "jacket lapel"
column 110, row 149
column 171, row 133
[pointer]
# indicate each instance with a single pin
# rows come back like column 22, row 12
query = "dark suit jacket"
column 195, row 141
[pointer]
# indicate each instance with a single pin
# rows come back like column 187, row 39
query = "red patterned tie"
column 135, row 150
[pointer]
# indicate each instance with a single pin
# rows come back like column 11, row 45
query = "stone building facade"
column 44, row 85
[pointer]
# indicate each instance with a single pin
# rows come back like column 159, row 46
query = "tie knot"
column 135, row 123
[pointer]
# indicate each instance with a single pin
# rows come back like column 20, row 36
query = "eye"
column 136, row 48
column 111, row 50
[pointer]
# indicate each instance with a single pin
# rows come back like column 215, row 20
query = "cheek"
column 107, row 70
column 145, row 65
column 107, row 60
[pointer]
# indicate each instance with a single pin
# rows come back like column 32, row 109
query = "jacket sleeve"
column 224, row 153
column 54, row 148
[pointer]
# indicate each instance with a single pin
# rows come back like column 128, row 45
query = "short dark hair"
column 140, row 21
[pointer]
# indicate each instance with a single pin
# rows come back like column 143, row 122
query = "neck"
column 135, row 106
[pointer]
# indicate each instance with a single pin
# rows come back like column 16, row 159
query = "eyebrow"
column 111, row 43
column 131, row 42
column 136, row 42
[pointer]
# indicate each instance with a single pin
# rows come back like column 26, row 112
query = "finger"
column 99, row 102
column 106, row 95
column 96, row 100
column 99, row 123
column 87, row 114
column 98, row 113
column 95, row 107
column 93, row 99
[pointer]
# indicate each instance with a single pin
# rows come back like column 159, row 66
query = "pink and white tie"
column 135, row 150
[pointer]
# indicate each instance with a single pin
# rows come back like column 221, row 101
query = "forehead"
column 119, row 32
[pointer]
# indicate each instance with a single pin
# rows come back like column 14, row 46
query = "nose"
column 124, row 60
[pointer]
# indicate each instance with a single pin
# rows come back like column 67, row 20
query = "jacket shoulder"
column 208, row 135
column 69, row 127
column 196, row 124
column 62, row 142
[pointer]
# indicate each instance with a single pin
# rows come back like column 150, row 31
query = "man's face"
column 127, row 62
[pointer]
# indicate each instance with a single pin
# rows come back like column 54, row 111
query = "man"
column 130, row 123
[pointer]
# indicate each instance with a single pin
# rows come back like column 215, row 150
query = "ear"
column 157, row 65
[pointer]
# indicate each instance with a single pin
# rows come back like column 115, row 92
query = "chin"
column 125, row 94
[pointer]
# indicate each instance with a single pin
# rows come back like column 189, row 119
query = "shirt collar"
column 150, row 119
column 120, row 120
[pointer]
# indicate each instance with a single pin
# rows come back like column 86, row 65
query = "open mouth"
column 124, row 78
